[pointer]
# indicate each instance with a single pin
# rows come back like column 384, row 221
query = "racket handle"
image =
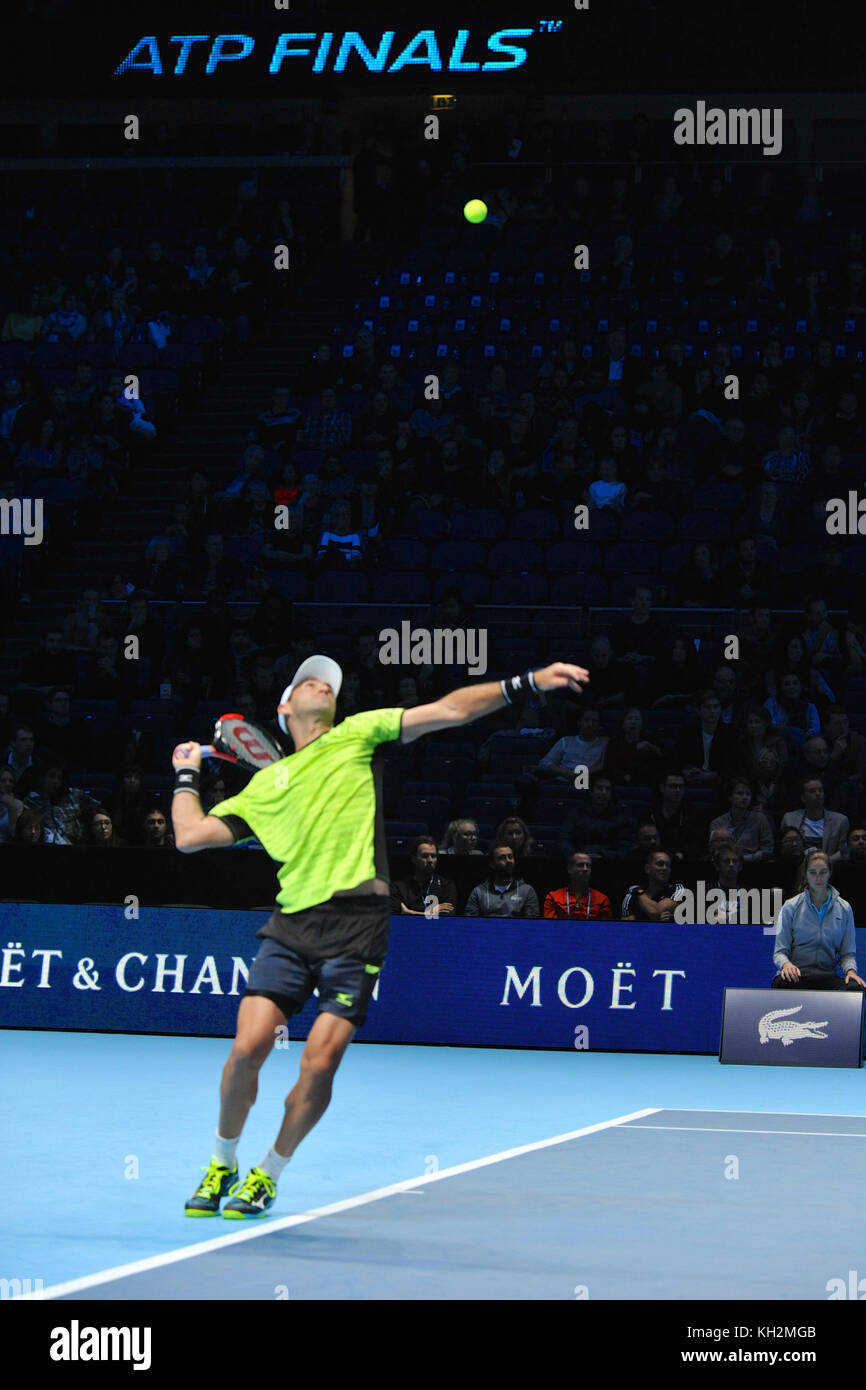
column 208, row 751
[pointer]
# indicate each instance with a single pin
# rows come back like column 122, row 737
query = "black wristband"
column 186, row 779
column 516, row 686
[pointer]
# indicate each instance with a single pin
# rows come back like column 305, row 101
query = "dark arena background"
column 266, row 392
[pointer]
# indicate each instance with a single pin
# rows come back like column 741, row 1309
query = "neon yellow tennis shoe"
column 217, row 1183
column 252, row 1198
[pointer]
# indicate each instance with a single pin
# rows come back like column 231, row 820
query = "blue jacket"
column 811, row 944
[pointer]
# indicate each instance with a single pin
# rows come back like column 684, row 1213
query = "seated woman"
column 101, row 831
column 815, row 941
column 793, row 711
column 792, row 657
column 514, row 831
column 461, row 837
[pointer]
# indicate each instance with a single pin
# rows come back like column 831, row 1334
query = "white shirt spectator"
column 574, row 751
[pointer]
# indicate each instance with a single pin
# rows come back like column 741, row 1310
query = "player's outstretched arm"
column 193, row 829
column 474, row 701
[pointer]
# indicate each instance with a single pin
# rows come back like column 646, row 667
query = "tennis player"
column 318, row 813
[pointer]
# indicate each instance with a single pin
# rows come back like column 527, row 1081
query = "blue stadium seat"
column 547, row 841
column 511, row 765
column 579, row 590
column 718, row 497
column 458, row 555
column 515, row 653
column 96, row 709
column 100, row 784
column 514, row 745
column 675, row 556
column 434, row 811
column 489, row 809
column 456, row 770
column 554, row 804
column 399, row 586
column 205, row 715
column 573, row 555
column 478, row 523
column 407, row 829
column 465, row 748
column 534, row 526
column 428, row 787
column 630, row 557
column 646, row 526
column 702, row 526
column 475, row 588
column 428, row 525
column 501, row 788
column 340, row 588
column 520, row 589
column 151, row 708
column 402, row 554
column 514, row 557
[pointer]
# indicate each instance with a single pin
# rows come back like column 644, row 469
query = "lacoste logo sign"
column 771, row 1027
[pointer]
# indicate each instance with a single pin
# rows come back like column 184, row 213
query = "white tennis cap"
column 322, row 667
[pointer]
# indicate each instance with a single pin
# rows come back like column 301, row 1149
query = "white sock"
column 274, row 1164
column 225, row 1150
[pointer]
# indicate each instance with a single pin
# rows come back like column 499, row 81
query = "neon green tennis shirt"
column 318, row 812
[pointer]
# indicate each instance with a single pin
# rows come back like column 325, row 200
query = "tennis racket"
column 242, row 742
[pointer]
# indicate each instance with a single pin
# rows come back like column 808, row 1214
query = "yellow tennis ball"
column 475, row 210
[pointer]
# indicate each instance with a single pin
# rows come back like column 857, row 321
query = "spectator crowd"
column 581, row 481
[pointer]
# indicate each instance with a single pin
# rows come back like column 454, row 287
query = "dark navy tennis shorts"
column 337, row 948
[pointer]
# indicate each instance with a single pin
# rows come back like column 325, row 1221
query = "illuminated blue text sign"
column 632, row 987
column 460, row 51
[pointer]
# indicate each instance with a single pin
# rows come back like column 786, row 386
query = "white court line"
column 722, row 1129
column 264, row 1228
column 726, row 1110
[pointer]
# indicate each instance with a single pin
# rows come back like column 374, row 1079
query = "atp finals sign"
column 455, row 52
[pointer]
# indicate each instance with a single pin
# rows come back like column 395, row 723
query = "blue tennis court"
column 437, row 1173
